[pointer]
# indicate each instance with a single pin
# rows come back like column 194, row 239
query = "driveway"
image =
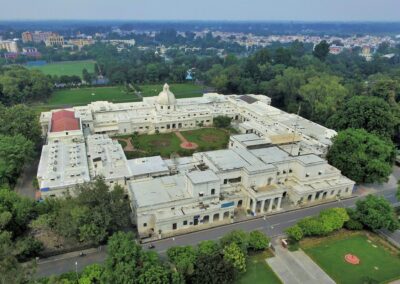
column 24, row 184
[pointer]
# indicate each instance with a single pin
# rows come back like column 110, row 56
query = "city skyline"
column 179, row 10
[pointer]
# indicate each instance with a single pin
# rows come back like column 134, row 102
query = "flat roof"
column 159, row 190
column 202, row 176
column 148, row 165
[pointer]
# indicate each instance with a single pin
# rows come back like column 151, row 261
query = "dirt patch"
column 189, row 145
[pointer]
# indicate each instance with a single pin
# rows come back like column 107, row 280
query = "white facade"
column 275, row 162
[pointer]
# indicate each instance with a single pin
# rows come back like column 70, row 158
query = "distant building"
column 9, row 45
column 54, row 40
column 334, row 49
column 27, row 37
column 81, row 42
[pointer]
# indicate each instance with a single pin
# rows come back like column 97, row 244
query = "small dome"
column 166, row 97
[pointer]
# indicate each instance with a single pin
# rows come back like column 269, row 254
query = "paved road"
column 273, row 225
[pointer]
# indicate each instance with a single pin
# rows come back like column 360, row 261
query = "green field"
column 377, row 263
column 115, row 94
column 258, row 272
column 66, row 68
column 165, row 144
column 208, row 138
column 185, row 90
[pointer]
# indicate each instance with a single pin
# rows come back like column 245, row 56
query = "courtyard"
column 183, row 143
column 379, row 261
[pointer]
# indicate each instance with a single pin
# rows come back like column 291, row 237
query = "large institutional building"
column 278, row 160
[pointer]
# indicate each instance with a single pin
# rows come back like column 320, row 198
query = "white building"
column 276, row 162
column 9, row 45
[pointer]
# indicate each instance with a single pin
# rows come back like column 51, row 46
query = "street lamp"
column 76, row 271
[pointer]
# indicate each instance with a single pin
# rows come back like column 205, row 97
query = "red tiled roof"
column 64, row 120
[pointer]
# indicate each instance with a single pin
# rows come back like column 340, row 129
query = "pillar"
column 271, row 201
column 262, row 206
column 253, row 207
column 279, row 203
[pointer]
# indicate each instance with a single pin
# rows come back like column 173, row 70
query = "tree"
column 183, row 258
column 324, row 95
column 375, row 212
column 94, row 214
column 222, row 121
column 386, row 88
column 87, row 77
column 294, row 233
column 155, row 274
column 124, row 259
column 334, row 217
column 362, row 156
column 258, row 240
column 238, row 237
column 234, row 255
column 91, row 274
column 207, row 248
column 15, row 151
column 370, row 113
column 20, row 119
column 213, row 269
column 321, row 50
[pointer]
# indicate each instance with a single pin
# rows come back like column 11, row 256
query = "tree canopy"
column 370, row 113
column 362, row 156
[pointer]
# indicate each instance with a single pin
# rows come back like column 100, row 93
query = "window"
column 174, row 226
column 184, row 223
column 225, row 181
column 213, row 191
column 290, row 170
column 144, row 224
column 307, row 175
column 201, row 194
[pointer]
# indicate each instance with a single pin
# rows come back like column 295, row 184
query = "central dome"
column 166, row 97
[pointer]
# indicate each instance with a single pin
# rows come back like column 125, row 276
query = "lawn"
column 377, row 262
column 258, row 271
column 208, row 138
column 115, row 94
column 158, row 144
column 83, row 96
column 184, row 90
column 165, row 144
column 66, row 68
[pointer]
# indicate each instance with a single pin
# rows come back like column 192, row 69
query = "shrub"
column 353, row 225
column 258, row 240
column 295, row 233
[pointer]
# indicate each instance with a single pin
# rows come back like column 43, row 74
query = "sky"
column 241, row 10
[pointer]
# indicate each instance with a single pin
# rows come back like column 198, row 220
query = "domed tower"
column 166, row 99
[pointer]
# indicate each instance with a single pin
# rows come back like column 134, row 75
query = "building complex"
column 277, row 160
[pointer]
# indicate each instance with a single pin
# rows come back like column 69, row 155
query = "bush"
column 353, row 225
column 258, row 240
column 295, row 233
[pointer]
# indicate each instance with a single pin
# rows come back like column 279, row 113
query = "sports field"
column 115, row 94
column 68, row 68
column 379, row 263
column 184, row 90
column 258, row 271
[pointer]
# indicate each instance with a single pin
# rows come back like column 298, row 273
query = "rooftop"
column 64, row 120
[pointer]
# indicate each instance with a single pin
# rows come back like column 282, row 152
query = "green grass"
column 258, row 272
column 158, row 144
column 66, row 68
column 208, row 138
column 165, row 144
column 329, row 255
column 82, row 96
column 184, row 90
column 116, row 94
